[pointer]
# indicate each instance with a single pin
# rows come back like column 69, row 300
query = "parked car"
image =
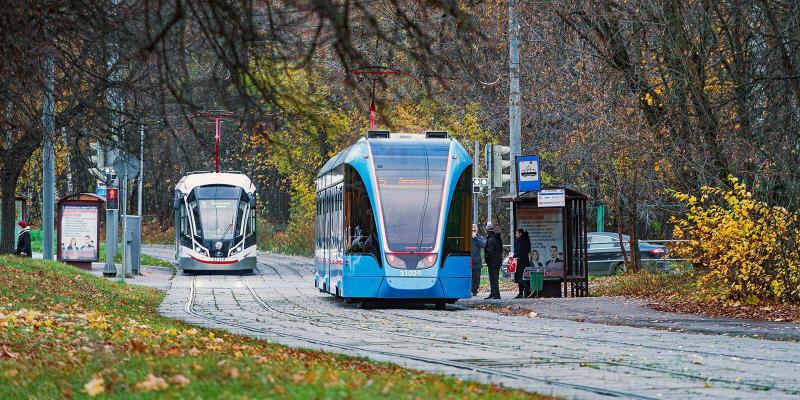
column 605, row 254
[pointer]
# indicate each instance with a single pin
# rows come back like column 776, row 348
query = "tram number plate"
column 410, row 273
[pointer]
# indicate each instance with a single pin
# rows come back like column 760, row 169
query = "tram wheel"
column 364, row 305
column 246, row 272
column 441, row 305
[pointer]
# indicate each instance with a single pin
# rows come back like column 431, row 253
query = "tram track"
column 318, row 323
column 448, row 363
column 315, row 312
column 597, row 340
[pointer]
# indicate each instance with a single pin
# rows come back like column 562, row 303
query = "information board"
column 78, row 232
column 546, row 230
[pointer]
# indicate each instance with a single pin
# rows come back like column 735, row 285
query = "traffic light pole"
column 110, row 269
column 514, row 113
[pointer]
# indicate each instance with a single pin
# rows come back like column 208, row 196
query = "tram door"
column 326, row 233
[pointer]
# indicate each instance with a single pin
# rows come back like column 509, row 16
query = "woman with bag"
column 522, row 249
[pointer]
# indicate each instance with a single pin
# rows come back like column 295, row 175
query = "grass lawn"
column 36, row 245
column 67, row 334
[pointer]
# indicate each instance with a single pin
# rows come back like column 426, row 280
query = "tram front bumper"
column 191, row 264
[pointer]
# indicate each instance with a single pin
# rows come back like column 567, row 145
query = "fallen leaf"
column 95, row 386
column 12, row 373
column 152, row 383
column 232, row 372
column 180, row 380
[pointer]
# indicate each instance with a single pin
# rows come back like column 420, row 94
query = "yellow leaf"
column 95, row 386
column 152, row 383
column 180, row 380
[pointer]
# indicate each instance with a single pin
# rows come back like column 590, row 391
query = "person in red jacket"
column 23, row 240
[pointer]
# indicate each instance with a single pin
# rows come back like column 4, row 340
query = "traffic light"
column 112, row 198
column 501, row 165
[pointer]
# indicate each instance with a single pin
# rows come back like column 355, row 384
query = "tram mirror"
column 176, row 205
column 252, row 201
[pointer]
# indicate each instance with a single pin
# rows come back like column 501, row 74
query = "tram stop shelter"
column 557, row 228
column 79, row 229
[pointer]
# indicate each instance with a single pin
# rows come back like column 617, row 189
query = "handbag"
column 511, row 265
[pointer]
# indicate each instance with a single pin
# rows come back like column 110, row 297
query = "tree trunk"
column 8, row 193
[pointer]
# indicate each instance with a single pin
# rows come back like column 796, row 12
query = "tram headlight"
column 427, row 261
column 236, row 250
column 395, row 261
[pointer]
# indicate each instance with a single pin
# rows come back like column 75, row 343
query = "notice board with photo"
column 545, row 227
column 78, row 231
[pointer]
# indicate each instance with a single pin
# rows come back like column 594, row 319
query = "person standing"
column 494, row 259
column 522, row 249
column 23, row 240
column 478, row 243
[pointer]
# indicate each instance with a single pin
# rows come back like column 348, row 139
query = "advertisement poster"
column 79, row 232
column 546, row 230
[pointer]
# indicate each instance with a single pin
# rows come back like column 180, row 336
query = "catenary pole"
column 476, row 173
column 514, row 112
column 141, row 172
column 489, row 161
column 48, row 158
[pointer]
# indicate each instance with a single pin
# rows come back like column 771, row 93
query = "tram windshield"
column 410, row 185
column 216, row 212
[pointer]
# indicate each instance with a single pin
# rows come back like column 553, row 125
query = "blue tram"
column 393, row 219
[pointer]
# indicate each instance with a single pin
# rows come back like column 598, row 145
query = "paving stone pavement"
column 550, row 356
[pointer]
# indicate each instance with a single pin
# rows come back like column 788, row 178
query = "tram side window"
column 186, row 230
column 360, row 233
column 458, row 232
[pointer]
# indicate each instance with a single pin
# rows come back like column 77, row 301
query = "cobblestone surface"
column 551, row 356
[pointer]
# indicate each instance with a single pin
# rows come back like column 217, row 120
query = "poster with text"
column 78, row 226
column 546, row 230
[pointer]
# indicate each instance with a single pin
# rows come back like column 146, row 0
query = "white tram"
column 215, row 222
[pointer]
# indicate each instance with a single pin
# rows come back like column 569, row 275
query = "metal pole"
column 123, row 198
column 490, row 156
column 217, row 125
column 48, row 159
column 514, row 112
column 476, row 173
column 141, row 171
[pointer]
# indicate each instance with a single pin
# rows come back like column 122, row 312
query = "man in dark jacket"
column 478, row 243
column 494, row 258
column 23, row 240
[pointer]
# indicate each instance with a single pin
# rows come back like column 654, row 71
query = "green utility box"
column 537, row 281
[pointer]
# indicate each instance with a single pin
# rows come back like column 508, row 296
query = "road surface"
column 549, row 356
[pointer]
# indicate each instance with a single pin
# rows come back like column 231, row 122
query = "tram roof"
column 361, row 148
column 189, row 182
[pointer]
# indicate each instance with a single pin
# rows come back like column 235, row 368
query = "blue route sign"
column 528, row 174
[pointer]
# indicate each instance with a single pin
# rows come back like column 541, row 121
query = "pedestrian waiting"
column 522, row 249
column 23, row 240
column 494, row 259
column 478, row 243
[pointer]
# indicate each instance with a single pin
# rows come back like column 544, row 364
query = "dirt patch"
column 512, row 311
column 775, row 312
